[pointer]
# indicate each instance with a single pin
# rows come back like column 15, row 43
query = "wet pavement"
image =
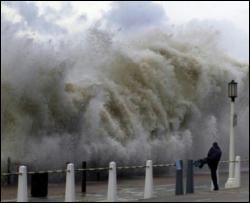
column 133, row 190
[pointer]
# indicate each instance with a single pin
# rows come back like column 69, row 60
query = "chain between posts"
column 163, row 165
column 245, row 160
column 101, row 169
column 92, row 169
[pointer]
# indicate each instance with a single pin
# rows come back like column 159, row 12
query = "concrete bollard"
column 148, row 189
column 190, row 177
column 70, row 183
column 22, row 189
column 179, row 178
column 237, row 171
column 112, row 183
column 218, row 180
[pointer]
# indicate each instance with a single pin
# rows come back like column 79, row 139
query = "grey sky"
column 178, row 12
column 236, row 12
column 130, row 15
column 52, row 18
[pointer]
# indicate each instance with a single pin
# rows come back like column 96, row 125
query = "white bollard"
column 237, row 171
column 22, row 189
column 70, row 184
column 148, row 189
column 218, row 180
column 112, row 183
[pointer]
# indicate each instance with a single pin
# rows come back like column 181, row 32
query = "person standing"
column 213, row 158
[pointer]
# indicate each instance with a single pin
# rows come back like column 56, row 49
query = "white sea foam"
column 104, row 97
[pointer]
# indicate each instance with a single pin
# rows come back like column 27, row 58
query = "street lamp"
column 232, row 93
column 232, row 90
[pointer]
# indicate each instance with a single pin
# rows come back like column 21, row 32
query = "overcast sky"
column 234, row 11
column 50, row 19
column 178, row 12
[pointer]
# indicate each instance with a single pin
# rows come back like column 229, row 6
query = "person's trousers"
column 213, row 169
column 213, row 165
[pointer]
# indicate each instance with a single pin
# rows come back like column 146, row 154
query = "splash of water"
column 147, row 96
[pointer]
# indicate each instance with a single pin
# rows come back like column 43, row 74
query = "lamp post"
column 232, row 93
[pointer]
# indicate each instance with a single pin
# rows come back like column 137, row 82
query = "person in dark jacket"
column 213, row 158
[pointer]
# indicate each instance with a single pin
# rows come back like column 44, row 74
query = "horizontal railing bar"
column 102, row 169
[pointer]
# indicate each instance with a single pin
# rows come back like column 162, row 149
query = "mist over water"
column 154, row 94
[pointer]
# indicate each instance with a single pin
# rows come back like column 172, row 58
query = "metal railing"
column 112, row 185
column 86, row 169
column 104, row 168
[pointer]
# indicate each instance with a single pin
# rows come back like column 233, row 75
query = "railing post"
column 148, row 189
column 98, row 176
column 190, row 177
column 8, row 170
column 39, row 185
column 112, row 183
column 84, row 166
column 179, row 178
column 70, row 183
column 237, row 171
column 22, row 189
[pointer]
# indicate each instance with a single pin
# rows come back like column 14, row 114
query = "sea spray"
column 102, row 97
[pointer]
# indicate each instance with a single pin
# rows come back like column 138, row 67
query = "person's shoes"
column 196, row 163
column 201, row 161
column 201, row 165
column 216, row 189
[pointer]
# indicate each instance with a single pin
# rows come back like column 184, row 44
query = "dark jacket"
column 214, row 154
